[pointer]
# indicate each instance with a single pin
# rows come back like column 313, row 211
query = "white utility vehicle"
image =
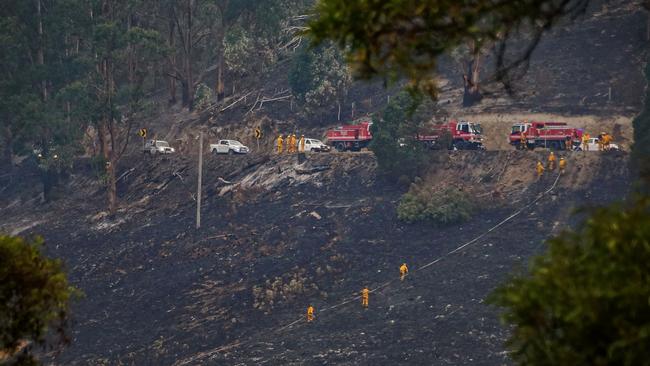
column 314, row 145
column 593, row 145
column 157, row 147
column 229, row 147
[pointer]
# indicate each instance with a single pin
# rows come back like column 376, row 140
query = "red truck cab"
column 463, row 135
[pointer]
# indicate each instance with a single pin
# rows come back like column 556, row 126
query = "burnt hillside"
column 278, row 235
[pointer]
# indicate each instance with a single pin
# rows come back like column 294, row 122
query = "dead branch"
column 312, row 170
column 235, row 102
column 125, row 174
column 265, row 99
column 254, row 104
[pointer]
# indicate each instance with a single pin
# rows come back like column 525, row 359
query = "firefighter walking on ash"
column 365, row 293
column 280, row 140
column 540, row 169
column 310, row 313
column 403, row 271
column 551, row 161
column 562, row 165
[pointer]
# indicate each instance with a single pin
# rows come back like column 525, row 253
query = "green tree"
column 319, row 78
column 123, row 51
column 34, row 300
column 404, row 38
column 586, row 300
column 394, row 132
column 38, row 61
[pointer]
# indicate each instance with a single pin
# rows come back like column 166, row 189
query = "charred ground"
column 278, row 235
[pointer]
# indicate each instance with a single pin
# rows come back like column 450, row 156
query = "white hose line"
column 385, row 284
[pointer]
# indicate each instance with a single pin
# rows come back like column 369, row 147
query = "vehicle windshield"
column 476, row 128
column 317, row 142
column 235, row 143
column 517, row 128
column 162, row 143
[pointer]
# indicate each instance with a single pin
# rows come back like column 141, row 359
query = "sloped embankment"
column 279, row 234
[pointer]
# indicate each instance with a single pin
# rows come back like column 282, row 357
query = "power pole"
column 198, row 189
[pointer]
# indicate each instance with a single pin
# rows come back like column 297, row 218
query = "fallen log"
column 311, row 170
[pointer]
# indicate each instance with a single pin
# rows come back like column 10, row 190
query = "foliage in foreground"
column 423, row 203
column 404, row 38
column 586, row 301
column 398, row 153
column 319, row 78
column 34, row 298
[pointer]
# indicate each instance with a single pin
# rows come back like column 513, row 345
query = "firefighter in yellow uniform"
column 562, row 165
column 292, row 143
column 310, row 313
column 403, row 271
column 280, row 141
column 607, row 138
column 365, row 293
column 540, row 169
column 551, row 161
column 302, row 143
column 585, row 142
column 523, row 142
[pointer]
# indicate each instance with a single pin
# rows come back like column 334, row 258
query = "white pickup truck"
column 157, row 147
column 314, row 145
column 229, row 147
column 593, row 145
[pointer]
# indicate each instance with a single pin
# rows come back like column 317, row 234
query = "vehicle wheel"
column 340, row 146
column 152, row 152
column 231, row 152
column 458, row 145
column 313, row 150
column 214, row 152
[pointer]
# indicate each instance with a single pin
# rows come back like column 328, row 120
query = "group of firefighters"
column 604, row 140
column 292, row 143
column 551, row 164
column 365, row 293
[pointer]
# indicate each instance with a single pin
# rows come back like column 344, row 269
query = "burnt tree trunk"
column 471, row 80
column 220, row 83
column 171, row 42
column 189, row 82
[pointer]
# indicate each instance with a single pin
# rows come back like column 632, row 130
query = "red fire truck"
column 462, row 135
column 351, row 137
column 553, row 135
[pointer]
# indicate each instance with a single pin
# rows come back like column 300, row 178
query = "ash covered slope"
column 279, row 235
column 573, row 67
column 278, row 238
